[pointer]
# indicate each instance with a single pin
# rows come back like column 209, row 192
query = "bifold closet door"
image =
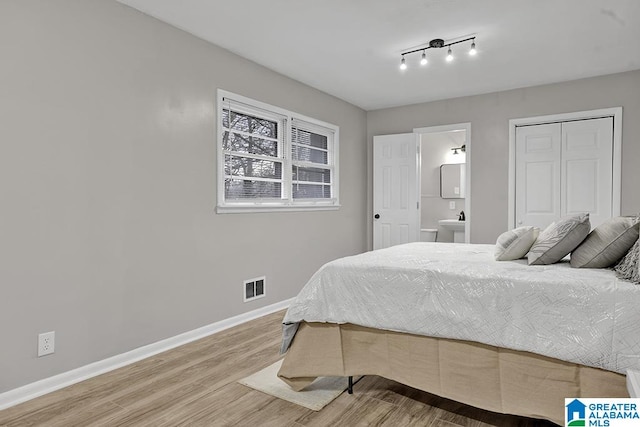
column 563, row 169
column 587, row 169
column 538, row 174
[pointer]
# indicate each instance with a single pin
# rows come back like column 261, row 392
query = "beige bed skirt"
column 487, row 377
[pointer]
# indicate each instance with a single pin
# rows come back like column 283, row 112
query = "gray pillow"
column 559, row 239
column 629, row 266
column 514, row 244
column 605, row 245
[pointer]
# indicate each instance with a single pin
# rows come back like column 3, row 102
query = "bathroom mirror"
column 452, row 180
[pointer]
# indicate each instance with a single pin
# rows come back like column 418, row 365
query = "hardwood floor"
column 195, row 385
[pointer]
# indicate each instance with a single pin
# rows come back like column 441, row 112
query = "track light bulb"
column 473, row 50
column 423, row 61
column 449, row 55
column 403, row 64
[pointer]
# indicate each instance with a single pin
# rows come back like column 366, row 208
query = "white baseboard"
column 47, row 385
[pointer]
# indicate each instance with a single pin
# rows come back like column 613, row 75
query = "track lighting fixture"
column 438, row 43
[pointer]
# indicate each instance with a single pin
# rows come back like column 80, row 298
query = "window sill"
column 288, row 208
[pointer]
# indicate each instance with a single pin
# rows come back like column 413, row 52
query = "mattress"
column 458, row 291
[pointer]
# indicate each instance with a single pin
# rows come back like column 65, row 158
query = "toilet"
column 428, row 234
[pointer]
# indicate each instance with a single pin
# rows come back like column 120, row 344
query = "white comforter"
column 585, row 316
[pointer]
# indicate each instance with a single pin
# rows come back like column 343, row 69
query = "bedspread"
column 458, row 291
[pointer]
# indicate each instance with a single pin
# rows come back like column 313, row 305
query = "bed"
column 450, row 320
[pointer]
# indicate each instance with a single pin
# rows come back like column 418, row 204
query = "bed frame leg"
column 350, row 386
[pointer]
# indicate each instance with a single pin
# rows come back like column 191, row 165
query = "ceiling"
column 351, row 48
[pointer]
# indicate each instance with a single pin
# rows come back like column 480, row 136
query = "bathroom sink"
column 456, row 226
column 452, row 224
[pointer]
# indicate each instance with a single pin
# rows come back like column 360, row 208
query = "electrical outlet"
column 452, row 205
column 46, row 343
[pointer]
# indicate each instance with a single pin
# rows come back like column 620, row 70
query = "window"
column 270, row 159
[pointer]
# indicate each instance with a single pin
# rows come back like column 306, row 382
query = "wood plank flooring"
column 195, row 385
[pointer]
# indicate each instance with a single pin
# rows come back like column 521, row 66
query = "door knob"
column 377, row 216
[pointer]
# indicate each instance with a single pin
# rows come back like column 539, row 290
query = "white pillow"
column 558, row 239
column 514, row 244
column 605, row 245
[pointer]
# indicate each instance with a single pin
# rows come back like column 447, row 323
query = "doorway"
column 445, row 145
column 397, row 203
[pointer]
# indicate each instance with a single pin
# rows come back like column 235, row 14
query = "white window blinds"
column 311, row 158
column 272, row 159
column 253, row 146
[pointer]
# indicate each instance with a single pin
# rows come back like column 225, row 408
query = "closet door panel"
column 538, row 174
column 582, row 178
column 587, row 170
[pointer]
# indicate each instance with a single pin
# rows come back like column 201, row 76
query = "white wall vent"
column 254, row 288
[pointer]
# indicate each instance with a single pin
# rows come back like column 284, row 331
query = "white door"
column 395, row 190
column 587, row 169
column 563, row 169
column 538, row 174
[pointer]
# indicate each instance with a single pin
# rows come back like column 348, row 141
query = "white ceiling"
column 351, row 48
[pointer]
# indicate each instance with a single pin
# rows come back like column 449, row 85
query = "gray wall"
column 489, row 116
column 108, row 233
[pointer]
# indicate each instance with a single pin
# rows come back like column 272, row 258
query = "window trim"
column 271, row 205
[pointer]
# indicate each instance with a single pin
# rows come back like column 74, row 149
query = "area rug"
column 315, row 396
